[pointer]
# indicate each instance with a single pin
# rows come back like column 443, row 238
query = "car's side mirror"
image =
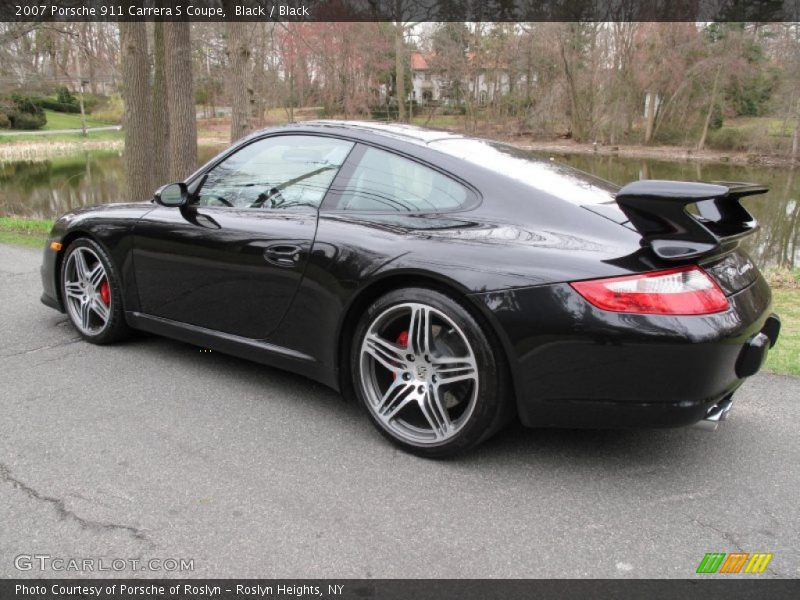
column 172, row 195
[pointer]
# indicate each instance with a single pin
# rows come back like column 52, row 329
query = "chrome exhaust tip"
column 715, row 415
column 706, row 425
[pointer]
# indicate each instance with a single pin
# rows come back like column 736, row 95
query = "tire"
column 434, row 395
column 92, row 294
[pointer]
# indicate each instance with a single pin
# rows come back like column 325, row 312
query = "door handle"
column 283, row 255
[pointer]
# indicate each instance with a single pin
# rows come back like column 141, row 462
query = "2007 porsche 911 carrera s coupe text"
column 448, row 283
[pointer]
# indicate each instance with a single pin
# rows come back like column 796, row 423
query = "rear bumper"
column 578, row 366
column 754, row 352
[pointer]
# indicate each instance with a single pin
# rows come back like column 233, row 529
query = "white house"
column 432, row 85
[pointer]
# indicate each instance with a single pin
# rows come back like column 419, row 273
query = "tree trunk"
column 701, row 144
column 180, row 101
column 160, row 117
column 576, row 116
column 137, row 117
column 400, row 71
column 89, row 34
column 260, row 75
column 290, row 112
column 53, row 60
column 239, row 58
column 80, row 94
column 796, row 134
column 652, row 98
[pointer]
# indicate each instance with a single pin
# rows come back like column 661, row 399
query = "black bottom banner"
column 394, row 589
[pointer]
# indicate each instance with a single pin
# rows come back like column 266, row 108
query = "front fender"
column 112, row 226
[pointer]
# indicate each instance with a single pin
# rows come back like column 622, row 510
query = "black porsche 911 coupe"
column 449, row 283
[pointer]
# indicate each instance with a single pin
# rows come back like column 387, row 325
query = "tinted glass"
column 384, row 181
column 276, row 173
column 555, row 178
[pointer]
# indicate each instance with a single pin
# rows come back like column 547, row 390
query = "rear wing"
column 657, row 209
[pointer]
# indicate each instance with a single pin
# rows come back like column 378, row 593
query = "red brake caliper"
column 105, row 292
column 402, row 340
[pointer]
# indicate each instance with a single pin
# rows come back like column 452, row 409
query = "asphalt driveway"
column 154, row 449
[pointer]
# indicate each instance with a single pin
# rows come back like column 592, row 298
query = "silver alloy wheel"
column 423, row 391
column 84, row 275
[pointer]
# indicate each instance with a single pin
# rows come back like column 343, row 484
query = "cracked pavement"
column 152, row 449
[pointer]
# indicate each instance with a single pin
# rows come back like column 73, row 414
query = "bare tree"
column 180, row 100
column 796, row 132
column 404, row 11
column 160, row 117
column 711, row 104
column 138, row 127
column 788, row 52
column 608, row 82
column 400, row 69
column 238, row 51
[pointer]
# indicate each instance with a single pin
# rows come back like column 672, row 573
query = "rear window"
column 386, row 182
column 548, row 176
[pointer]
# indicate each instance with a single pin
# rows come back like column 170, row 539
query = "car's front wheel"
column 92, row 293
column 427, row 374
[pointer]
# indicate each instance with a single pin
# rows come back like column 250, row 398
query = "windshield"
column 549, row 176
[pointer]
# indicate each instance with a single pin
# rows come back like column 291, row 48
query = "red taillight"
column 682, row 291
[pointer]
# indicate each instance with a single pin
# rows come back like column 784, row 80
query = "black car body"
column 287, row 287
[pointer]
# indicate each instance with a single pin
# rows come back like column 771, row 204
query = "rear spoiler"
column 657, row 209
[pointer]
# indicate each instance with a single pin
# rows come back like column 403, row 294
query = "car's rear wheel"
column 91, row 292
column 427, row 374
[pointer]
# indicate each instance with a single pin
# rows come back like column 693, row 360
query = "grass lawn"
column 22, row 239
column 59, row 120
column 785, row 356
column 24, row 232
column 774, row 126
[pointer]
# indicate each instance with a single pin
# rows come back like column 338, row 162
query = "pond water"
column 49, row 188
column 46, row 189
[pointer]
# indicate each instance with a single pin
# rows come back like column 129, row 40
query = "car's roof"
column 408, row 133
column 497, row 158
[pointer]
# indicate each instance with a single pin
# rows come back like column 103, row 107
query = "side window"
column 279, row 172
column 383, row 181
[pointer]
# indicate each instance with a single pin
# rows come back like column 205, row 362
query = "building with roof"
column 430, row 84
